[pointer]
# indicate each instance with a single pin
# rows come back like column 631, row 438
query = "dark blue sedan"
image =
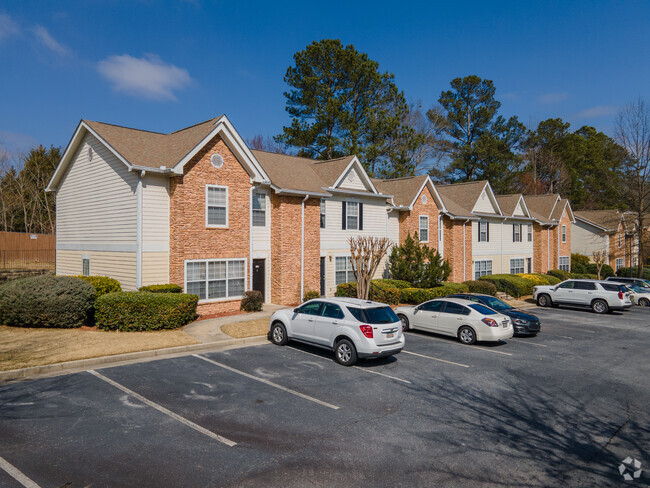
column 522, row 322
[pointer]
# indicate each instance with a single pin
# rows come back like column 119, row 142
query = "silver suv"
column 350, row 327
column 600, row 296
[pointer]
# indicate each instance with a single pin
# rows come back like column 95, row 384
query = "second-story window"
column 530, row 233
column 564, row 233
column 259, row 209
column 216, row 206
column 322, row 213
column 620, row 240
column 484, row 232
column 424, row 228
column 516, row 232
column 352, row 216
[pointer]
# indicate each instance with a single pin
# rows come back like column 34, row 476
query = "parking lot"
column 560, row 409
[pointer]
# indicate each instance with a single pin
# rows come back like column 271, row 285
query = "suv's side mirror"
column 417, row 308
column 296, row 310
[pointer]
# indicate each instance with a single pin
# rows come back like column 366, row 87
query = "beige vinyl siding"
column 155, row 214
column 484, row 204
column 353, row 181
column 333, row 237
column 155, row 268
column 262, row 235
column 330, row 269
column 500, row 248
column 117, row 265
column 585, row 239
column 519, row 211
column 393, row 226
column 96, row 202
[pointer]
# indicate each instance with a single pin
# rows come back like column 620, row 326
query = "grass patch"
column 250, row 328
column 22, row 348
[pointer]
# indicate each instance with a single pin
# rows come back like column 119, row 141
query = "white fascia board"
column 572, row 217
column 434, row 190
column 463, row 217
column 592, row 224
column 492, row 197
column 557, row 199
column 72, row 145
column 236, row 144
column 357, row 193
column 362, row 171
column 288, row 191
column 523, row 205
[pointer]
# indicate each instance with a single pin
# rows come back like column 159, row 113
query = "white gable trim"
column 493, row 200
column 235, row 143
column 434, row 191
column 361, row 171
column 557, row 199
column 524, row 207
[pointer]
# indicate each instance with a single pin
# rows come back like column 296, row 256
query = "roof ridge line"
column 194, row 125
column 125, row 127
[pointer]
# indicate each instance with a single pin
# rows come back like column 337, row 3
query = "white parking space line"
column 18, row 475
column 270, row 383
column 557, row 335
column 478, row 348
column 529, row 343
column 435, row 359
column 361, row 369
column 162, row 409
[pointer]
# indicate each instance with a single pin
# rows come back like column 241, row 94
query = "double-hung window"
column 352, row 216
column 619, row 263
column 216, row 206
column 424, row 228
column 259, row 209
column 620, row 240
column 482, row 268
column 214, row 280
column 322, row 213
column 564, row 263
column 483, row 231
column 564, row 233
column 530, row 233
column 85, row 266
column 516, row 232
column 343, row 272
column 517, row 266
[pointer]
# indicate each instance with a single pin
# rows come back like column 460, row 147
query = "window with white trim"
column 352, row 215
column 516, row 232
column 482, row 268
column 322, row 213
column 216, row 206
column 517, row 266
column 424, row 228
column 620, row 240
column 619, row 263
column 564, row 263
column 440, row 229
column 85, row 266
column 259, row 209
column 214, row 280
column 483, row 231
column 343, row 270
column 530, row 233
column 564, row 233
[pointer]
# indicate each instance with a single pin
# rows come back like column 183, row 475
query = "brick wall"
column 409, row 222
column 453, row 238
column 565, row 247
column 286, row 248
column 189, row 238
column 540, row 249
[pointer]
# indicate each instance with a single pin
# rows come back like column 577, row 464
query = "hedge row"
column 483, row 287
column 633, row 272
column 139, row 311
column 166, row 288
column 381, row 291
column 102, row 284
column 513, row 285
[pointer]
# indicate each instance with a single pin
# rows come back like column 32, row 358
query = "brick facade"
column 409, row 222
column 286, row 248
column 540, row 248
column 453, row 239
column 565, row 247
column 189, row 238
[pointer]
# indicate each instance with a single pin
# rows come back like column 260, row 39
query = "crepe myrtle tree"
column 366, row 254
column 599, row 258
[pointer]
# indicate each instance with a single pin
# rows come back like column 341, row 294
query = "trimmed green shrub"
column 483, row 287
column 537, row 279
column 46, row 301
column 252, row 301
column 592, row 269
column 633, row 272
column 166, row 288
column 137, row 311
column 552, row 280
column 102, row 284
column 310, row 295
column 379, row 292
column 419, row 295
column 559, row 273
column 513, row 285
column 399, row 284
column 578, row 260
column 418, row 264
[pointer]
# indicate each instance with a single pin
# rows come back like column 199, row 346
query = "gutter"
column 138, row 232
column 359, row 193
column 285, row 191
column 302, row 249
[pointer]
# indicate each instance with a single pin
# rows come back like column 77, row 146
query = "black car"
column 522, row 322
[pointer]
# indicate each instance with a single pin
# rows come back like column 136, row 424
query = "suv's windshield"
column 496, row 304
column 379, row 315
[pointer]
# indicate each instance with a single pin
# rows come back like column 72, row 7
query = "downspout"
column 250, row 241
column 502, row 222
column 138, row 232
column 302, row 248
column 548, row 249
column 464, row 252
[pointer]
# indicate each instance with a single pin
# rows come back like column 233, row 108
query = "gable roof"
column 561, row 205
column 541, row 206
column 460, row 198
column 407, row 189
column 607, row 220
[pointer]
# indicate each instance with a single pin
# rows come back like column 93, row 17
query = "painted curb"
column 26, row 373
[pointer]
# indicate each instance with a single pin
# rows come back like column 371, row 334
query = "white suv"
column 350, row 327
column 600, row 296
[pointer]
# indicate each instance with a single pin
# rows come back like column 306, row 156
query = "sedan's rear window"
column 379, row 315
column 482, row 309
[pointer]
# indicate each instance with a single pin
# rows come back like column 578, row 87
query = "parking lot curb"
column 81, row 364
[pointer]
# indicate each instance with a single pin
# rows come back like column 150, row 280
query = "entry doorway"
column 529, row 265
column 259, row 276
column 322, row 277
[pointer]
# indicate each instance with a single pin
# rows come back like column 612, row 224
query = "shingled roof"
column 541, row 206
column 608, row 220
column 404, row 190
column 291, row 172
column 508, row 203
column 460, row 198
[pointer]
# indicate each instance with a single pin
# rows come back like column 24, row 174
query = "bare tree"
column 260, row 143
column 599, row 258
column 633, row 134
column 366, row 254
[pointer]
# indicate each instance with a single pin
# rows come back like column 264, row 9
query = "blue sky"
column 165, row 65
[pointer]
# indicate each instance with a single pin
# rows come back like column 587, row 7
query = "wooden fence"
column 19, row 250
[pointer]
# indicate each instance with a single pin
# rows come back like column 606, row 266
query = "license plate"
column 388, row 336
column 504, row 325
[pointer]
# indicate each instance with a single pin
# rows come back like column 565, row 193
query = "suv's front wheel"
column 279, row 334
column 600, row 306
column 544, row 300
column 345, row 352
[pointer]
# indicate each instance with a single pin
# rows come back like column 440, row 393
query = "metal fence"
column 27, row 251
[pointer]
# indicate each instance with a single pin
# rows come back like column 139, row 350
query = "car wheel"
column 544, row 301
column 279, row 334
column 405, row 322
column 644, row 302
column 600, row 306
column 466, row 335
column 345, row 352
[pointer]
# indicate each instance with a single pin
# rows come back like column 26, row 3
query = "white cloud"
column 553, row 97
column 16, row 143
column 44, row 37
column 148, row 77
column 8, row 27
column 597, row 111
